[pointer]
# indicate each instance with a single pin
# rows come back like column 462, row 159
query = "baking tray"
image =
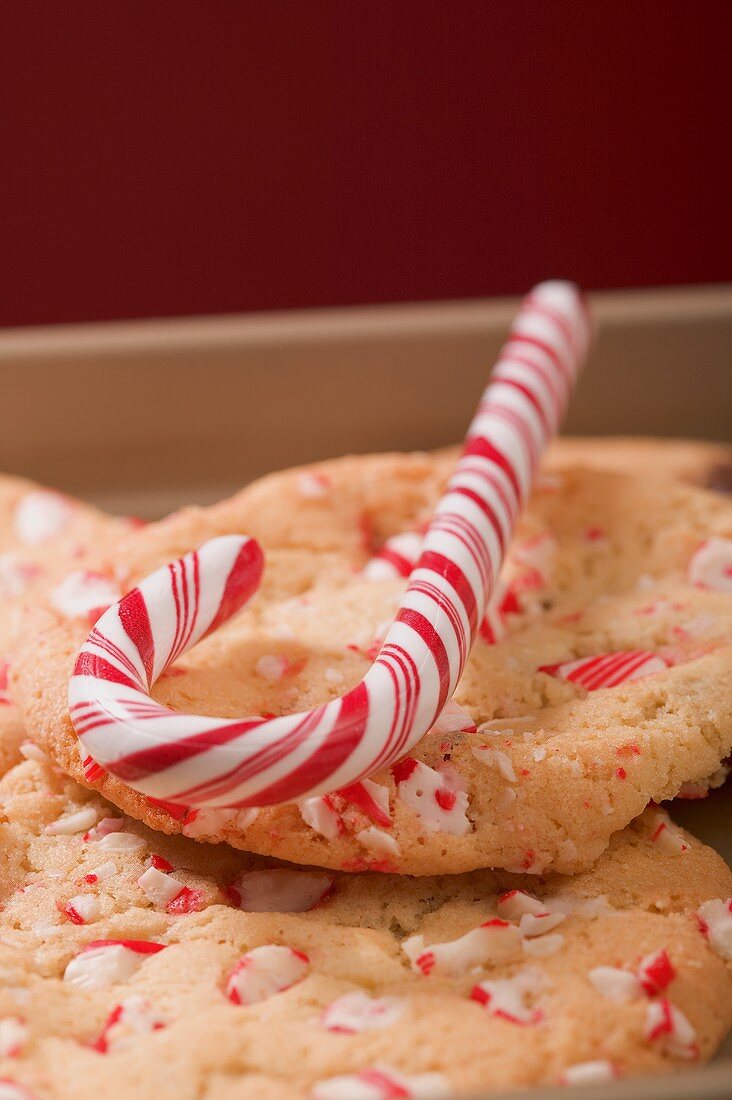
column 145, row 416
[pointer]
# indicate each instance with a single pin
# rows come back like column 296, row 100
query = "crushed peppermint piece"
column 265, row 971
column 381, row 1082
column 486, row 754
column 69, row 824
column 84, row 595
column 107, row 962
column 132, row 1017
column 433, row 796
column 210, row 823
column 517, row 903
column 378, row 840
column 615, row 983
column 543, row 946
column 280, row 890
column 668, row 1026
column 538, row 924
column 453, row 719
column 313, row 485
column 512, row 999
column 121, row 842
column 103, row 827
column 41, row 515
column 356, row 1012
column 159, row 887
column 13, row 1036
column 589, row 1073
column 321, row 815
column 715, row 919
column 494, row 941
column 669, row 840
column 82, row 909
column 655, row 972
column 371, row 798
column 710, row 565
column 29, row 750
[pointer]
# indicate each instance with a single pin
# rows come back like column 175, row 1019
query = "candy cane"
column 211, row 762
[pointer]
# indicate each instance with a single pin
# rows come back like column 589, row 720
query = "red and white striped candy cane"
column 213, row 762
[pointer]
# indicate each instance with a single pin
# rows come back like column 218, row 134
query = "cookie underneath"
column 43, row 534
column 135, row 964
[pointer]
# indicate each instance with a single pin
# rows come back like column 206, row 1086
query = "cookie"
column 708, row 465
column 121, row 948
column 42, row 534
column 550, row 746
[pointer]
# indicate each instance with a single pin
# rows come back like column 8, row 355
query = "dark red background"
column 190, row 157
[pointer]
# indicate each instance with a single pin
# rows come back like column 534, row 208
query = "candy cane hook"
column 211, row 762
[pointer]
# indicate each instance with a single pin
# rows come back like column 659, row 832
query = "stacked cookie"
column 506, row 906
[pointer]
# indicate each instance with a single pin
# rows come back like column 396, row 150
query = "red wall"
column 172, row 156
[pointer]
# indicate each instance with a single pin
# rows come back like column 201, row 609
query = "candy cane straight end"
column 202, row 761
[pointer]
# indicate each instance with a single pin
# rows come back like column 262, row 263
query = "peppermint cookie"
column 136, row 964
column 601, row 679
column 42, row 534
column 708, row 465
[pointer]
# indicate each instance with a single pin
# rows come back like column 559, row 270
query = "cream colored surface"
column 633, row 902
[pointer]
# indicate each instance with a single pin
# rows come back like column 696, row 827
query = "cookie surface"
column 601, row 564
column 708, row 465
column 120, row 948
column 42, row 534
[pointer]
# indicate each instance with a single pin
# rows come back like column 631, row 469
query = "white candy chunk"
column 84, row 907
column 128, row 1020
column 30, row 751
column 159, row 887
column 9, row 1090
column 321, row 816
column 108, row 962
column 272, row 667
column 589, row 1073
column 492, row 942
column 383, row 1083
column 538, row 924
column 199, row 823
column 104, row 827
column 496, row 758
column 453, row 719
column 666, row 836
column 433, row 797
column 378, row 840
column 544, row 946
column 615, row 983
column 711, row 565
column 265, row 971
column 13, row 1036
column 356, row 1012
column 716, row 917
column 121, row 842
column 104, row 871
column 40, row 516
column 669, row 1027
column 517, row 903
column 77, row 822
column 83, row 592
column 312, row 485
column 512, row 998
column 281, row 890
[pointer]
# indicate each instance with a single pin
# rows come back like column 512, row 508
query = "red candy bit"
column 655, row 973
column 668, row 1026
column 187, row 901
column 621, row 773
column 4, row 696
column 595, row 534
column 264, row 972
column 629, row 750
column 426, row 962
column 403, row 769
column 446, row 799
column 160, row 864
column 529, row 859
